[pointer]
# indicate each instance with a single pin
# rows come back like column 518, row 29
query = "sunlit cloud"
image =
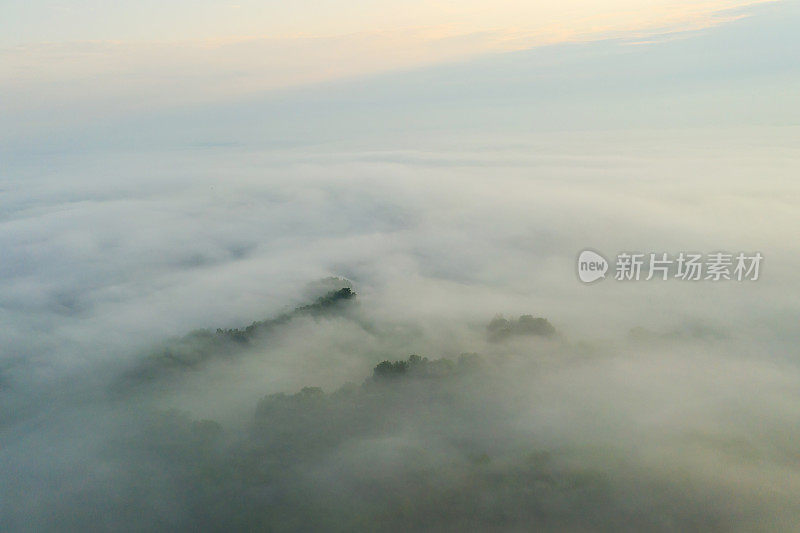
column 128, row 74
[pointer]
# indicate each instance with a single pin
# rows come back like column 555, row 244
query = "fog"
column 136, row 251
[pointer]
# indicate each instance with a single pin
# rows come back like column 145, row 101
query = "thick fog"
column 136, row 252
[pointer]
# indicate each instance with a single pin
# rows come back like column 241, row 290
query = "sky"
column 171, row 166
column 207, row 20
column 134, row 56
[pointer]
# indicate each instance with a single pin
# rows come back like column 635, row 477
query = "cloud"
column 108, row 256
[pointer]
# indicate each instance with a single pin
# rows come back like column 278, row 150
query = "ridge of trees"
column 501, row 328
column 202, row 345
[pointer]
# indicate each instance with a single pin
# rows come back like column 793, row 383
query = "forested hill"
column 202, row 345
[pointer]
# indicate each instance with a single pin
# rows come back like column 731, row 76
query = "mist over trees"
column 199, row 346
column 501, row 328
column 418, row 443
column 169, row 363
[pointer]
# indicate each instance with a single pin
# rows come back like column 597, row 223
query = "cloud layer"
column 445, row 196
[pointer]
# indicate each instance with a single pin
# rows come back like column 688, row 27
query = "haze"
column 374, row 181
